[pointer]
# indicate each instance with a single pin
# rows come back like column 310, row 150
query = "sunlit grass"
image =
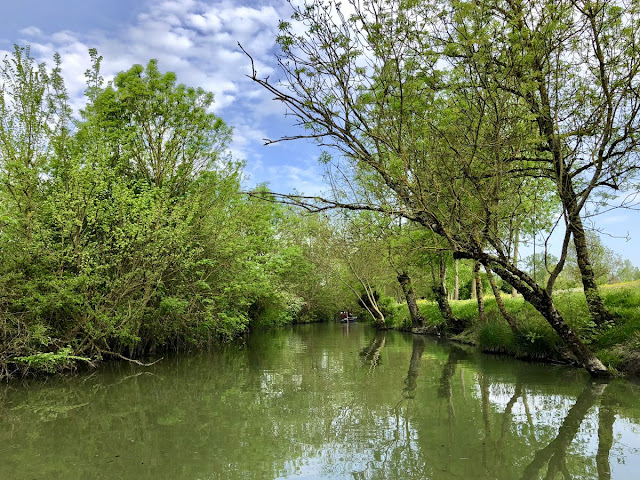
column 535, row 338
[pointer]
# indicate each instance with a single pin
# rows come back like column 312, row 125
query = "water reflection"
column 606, row 419
column 417, row 349
column 310, row 402
column 554, row 455
column 371, row 353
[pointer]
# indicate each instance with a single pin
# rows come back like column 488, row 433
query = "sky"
column 198, row 39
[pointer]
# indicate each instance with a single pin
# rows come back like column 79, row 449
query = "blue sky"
column 198, row 39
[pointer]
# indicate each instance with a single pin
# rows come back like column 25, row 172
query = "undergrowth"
column 617, row 344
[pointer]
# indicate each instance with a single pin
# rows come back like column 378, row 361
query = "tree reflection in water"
column 554, row 455
column 445, row 392
column 371, row 353
column 309, row 402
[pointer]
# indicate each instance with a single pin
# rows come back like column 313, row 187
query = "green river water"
column 322, row 401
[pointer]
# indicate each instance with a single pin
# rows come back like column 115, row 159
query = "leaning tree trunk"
column 479, row 294
column 374, row 310
column 455, row 324
column 417, row 320
column 496, row 293
column 542, row 301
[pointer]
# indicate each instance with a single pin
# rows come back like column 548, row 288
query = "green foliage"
column 51, row 361
column 537, row 340
column 130, row 234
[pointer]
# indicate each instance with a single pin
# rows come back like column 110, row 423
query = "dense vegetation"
column 124, row 231
column 458, row 135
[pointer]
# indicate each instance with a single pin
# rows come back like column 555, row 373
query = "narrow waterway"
column 322, row 401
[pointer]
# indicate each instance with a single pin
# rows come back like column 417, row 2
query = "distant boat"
column 348, row 319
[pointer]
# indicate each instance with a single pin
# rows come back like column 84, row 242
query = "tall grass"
column 535, row 339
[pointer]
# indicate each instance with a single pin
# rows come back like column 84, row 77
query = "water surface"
column 323, row 401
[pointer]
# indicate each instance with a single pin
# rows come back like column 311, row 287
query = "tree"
column 360, row 244
column 33, row 113
column 129, row 233
column 572, row 69
column 165, row 132
column 368, row 86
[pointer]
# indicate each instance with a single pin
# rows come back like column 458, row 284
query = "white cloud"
column 31, row 31
column 198, row 40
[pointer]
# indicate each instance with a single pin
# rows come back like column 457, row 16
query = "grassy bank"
column 617, row 345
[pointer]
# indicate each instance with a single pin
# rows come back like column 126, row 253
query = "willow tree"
column 573, row 67
column 367, row 85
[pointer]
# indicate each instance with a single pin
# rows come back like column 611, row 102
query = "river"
column 322, row 401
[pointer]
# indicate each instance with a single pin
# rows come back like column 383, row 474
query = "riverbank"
column 617, row 345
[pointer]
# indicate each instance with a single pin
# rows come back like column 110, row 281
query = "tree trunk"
column 543, row 303
column 514, row 292
column 376, row 313
column 570, row 203
column 507, row 316
column 473, row 286
column 455, row 324
column 479, row 295
column 456, row 291
column 599, row 312
column 417, row 320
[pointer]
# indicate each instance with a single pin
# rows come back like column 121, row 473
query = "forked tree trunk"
column 374, row 310
column 542, row 301
column 417, row 320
